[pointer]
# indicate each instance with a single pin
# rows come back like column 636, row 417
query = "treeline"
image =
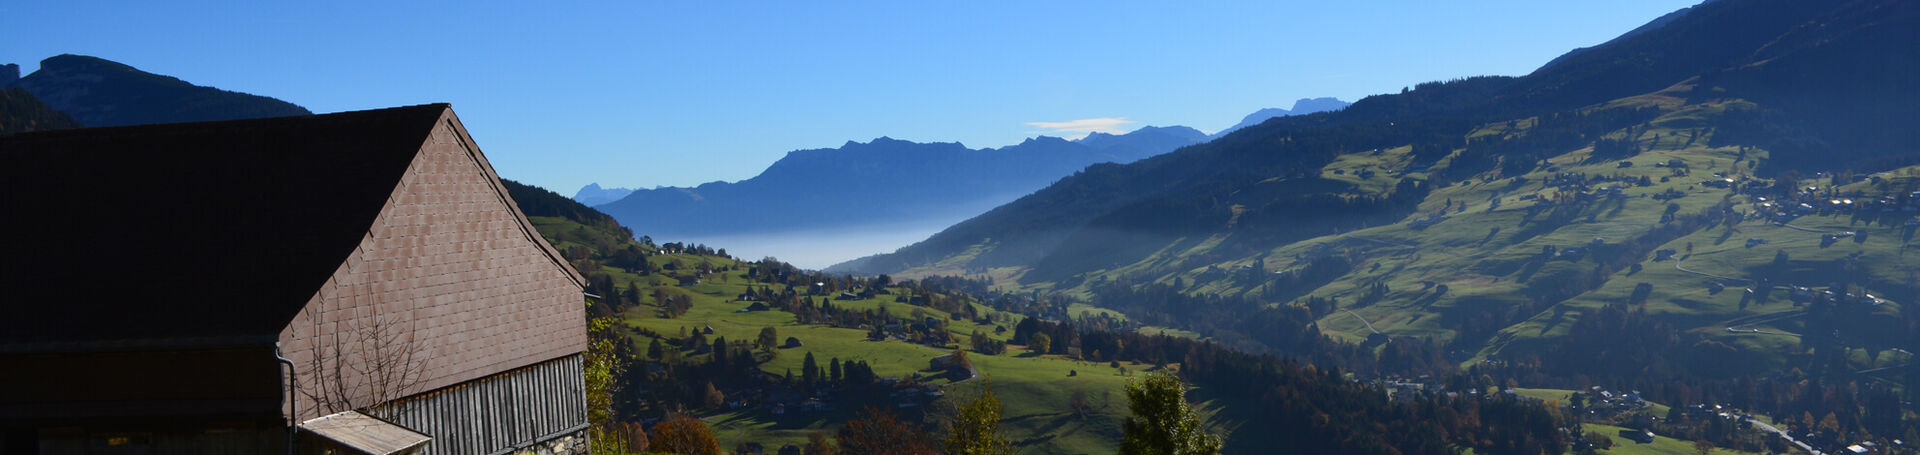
column 1312, row 407
column 1623, row 348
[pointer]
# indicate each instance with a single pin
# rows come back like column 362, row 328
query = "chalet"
column 1640, row 436
column 358, row 282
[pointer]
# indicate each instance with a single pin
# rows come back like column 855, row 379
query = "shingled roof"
column 211, row 230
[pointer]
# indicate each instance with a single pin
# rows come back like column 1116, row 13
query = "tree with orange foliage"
column 879, row 432
column 684, row 435
column 631, row 434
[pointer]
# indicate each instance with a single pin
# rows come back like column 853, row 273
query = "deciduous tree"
column 682, row 434
column 879, row 432
column 976, row 427
column 1162, row 422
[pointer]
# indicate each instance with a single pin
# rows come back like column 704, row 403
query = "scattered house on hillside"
column 1639, row 436
column 847, row 296
column 1625, row 164
column 816, row 288
column 706, row 330
column 1664, row 254
column 357, row 282
column 792, row 342
column 941, row 362
column 1755, row 241
column 758, row 306
column 1429, row 220
column 688, row 280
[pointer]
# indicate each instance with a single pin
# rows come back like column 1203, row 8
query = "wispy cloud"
column 1075, row 129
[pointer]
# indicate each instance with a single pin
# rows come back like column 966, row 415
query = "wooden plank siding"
column 498, row 413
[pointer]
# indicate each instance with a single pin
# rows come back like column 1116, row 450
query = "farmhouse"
column 346, row 283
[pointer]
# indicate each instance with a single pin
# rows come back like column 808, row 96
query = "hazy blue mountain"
column 1303, row 106
column 8, row 73
column 593, row 194
column 859, row 187
column 100, row 92
column 1144, row 142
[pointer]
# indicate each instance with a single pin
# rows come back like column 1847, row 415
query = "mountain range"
column 1425, row 213
column 1147, row 141
column 100, row 92
column 885, row 184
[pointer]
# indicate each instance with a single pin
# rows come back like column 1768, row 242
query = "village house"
column 358, row 282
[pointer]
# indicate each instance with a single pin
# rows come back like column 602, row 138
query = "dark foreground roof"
column 190, row 230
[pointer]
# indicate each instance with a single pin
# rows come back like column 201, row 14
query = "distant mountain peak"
column 593, row 194
column 1045, row 139
column 1306, row 106
column 1302, row 106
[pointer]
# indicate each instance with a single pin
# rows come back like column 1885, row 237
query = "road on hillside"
column 1783, row 434
column 1677, row 266
column 1355, row 237
column 1362, row 320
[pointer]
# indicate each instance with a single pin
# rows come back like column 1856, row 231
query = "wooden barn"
column 346, row 283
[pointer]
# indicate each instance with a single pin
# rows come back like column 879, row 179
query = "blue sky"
column 646, row 93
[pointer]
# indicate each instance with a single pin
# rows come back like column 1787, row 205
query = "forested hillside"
column 809, row 352
column 1725, row 195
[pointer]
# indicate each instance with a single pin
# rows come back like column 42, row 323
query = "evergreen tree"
column 809, row 370
column 833, row 370
column 720, row 352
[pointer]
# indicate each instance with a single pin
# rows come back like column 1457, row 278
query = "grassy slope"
column 1661, row 445
column 1483, row 268
column 1034, row 390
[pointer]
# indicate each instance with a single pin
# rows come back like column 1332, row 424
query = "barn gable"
column 451, row 268
column 377, row 251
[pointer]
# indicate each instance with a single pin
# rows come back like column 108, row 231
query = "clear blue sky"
column 646, row 93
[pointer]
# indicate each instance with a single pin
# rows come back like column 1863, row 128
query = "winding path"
column 1355, row 237
column 1783, row 434
column 1362, row 320
column 1677, row 266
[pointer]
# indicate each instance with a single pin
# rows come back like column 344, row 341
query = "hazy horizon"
column 645, row 95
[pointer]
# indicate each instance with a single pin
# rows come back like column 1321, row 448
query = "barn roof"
column 190, row 230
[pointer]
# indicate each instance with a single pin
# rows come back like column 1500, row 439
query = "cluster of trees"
column 1315, row 408
column 1623, row 348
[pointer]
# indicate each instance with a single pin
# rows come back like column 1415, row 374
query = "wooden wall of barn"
column 509, row 412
